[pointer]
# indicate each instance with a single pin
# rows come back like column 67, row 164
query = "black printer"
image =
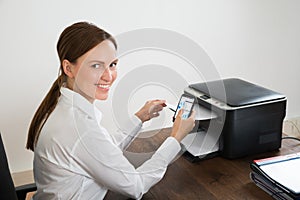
column 249, row 117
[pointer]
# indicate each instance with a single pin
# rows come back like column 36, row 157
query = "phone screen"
column 187, row 104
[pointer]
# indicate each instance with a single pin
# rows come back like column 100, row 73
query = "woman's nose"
column 107, row 75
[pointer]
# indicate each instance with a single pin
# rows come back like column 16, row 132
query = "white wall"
column 257, row 40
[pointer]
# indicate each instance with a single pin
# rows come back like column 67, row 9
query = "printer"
column 247, row 119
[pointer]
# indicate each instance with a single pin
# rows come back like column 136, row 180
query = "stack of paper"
column 279, row 176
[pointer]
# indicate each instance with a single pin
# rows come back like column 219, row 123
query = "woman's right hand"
column 182, row 127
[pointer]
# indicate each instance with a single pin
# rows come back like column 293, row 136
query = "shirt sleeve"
column 105, row 163
column 127, row 132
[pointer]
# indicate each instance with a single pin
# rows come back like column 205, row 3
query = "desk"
column 215, row 178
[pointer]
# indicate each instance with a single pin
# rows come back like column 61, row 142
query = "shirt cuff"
column 169, row 149
column 132, row 126
column 136, row 121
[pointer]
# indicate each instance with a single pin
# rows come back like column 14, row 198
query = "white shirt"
column 76, row 158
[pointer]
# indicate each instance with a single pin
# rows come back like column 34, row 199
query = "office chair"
column 7, row 189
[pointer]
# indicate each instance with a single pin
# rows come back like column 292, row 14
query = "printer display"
column 248, row 119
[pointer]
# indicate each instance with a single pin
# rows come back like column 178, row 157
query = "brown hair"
column 73, row 42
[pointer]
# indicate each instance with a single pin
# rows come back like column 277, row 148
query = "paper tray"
column 200, row 144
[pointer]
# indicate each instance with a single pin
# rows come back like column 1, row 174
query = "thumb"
column 180, row 112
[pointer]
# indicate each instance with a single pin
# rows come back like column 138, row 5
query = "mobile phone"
column 187, row 103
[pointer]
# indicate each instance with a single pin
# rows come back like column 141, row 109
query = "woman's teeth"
column 103, row 86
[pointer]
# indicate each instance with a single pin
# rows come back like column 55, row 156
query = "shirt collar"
column 78, row 101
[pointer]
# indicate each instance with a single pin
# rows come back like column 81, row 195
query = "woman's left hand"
column 150, row 110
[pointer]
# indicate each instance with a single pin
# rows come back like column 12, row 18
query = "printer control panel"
column 208, row 99
column 205, row 97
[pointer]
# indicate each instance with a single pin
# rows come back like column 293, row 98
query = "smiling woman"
column 74, row 42
column 74, row 155
column 94, row 72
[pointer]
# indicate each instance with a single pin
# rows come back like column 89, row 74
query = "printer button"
column 204, row 97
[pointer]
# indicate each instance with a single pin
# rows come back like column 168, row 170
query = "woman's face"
column 95, row 71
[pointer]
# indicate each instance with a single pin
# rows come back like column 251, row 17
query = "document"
column 269, row 187
column 281, row 171
column 200, row 143
column 203, row 113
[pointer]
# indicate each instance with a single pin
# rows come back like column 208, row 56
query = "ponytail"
column 45, row 109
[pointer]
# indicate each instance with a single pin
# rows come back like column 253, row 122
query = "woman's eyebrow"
column 116, row 60
column 97, row 61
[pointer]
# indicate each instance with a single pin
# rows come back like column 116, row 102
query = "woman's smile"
column 103, row 86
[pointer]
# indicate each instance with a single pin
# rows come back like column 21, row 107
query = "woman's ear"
column 67, row 67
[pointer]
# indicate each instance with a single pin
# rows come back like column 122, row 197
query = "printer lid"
column 238, row 92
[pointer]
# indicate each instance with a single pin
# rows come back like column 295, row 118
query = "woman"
column 74, row 156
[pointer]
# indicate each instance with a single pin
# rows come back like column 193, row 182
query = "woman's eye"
column 96, row 66
column 113, row 64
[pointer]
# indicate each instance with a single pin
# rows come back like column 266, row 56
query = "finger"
column 153, row 109
column 179, row 113
column 159, row 102
column 158, row 108
column 155, row 114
